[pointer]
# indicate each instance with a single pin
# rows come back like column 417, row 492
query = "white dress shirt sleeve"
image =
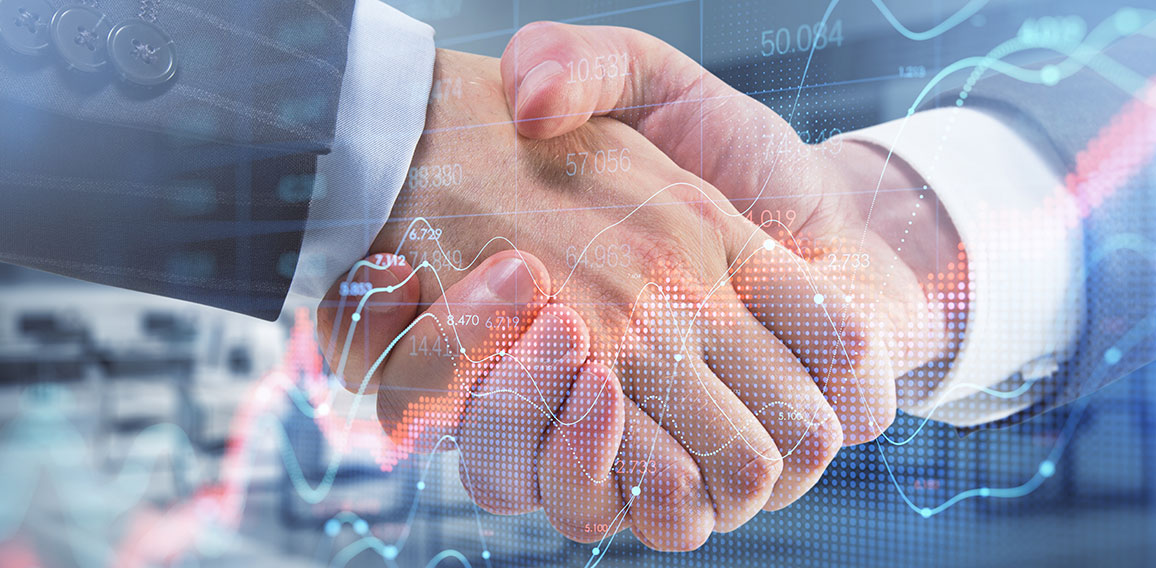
column 380, row 117
column 1004, row 192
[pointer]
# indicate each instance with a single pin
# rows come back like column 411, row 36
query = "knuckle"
column 751, row 485
column 541, row 27
column 549, row 37
column 805, row 462
column 675, row 514
column 828, row 434
column 490, row 496
column 757, row 477
column 679, row 485
column 747, row 490
column 821, row 442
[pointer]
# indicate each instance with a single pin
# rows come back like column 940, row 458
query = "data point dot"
column 355, row 317
column 818, row 298
column 1113, row 356
column 636, row 490
column 1047, row 468
column 1050, row 75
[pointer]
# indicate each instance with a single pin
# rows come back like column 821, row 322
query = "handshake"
column 623, row 311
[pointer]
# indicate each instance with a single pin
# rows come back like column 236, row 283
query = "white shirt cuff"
column 380, row 117
column 1024, row 245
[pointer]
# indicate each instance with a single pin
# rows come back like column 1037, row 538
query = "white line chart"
column 1077, row 58
column 1086, row 55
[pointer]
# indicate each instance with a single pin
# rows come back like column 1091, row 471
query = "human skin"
column 862, row 218
column 704, row 445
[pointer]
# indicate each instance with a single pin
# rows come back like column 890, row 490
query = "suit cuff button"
column 80, row 35
column 24, row 25
column 142, row 53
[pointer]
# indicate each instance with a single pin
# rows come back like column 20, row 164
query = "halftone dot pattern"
column 740, row 381
column 433, row 416
column 833, row 341
column 706, row 401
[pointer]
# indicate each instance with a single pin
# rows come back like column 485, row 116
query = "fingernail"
column 537, row 79
column 510, row 281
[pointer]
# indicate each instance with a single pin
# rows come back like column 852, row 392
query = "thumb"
column 557, row 76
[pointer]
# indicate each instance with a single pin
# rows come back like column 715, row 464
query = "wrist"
column 901, row 208
column 896, row 203
column 436, row 166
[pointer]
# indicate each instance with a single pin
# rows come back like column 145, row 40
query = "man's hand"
column 653, row 260
column 865, row 226
column 574, row 413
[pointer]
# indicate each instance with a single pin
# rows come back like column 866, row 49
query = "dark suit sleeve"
column 1104, row 132
column 196, row 190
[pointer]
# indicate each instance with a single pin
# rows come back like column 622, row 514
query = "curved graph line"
column 1100, row 63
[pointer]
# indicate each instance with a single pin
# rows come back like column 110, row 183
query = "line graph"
column 986, row 62
column 1042, row 77
column 585, row 250
column 1095, row 181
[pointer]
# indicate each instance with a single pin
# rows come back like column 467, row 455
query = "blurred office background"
column 135, row 428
